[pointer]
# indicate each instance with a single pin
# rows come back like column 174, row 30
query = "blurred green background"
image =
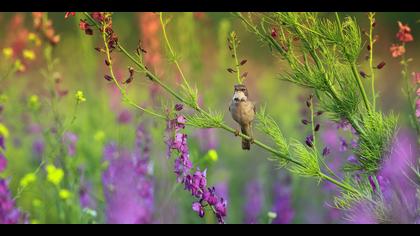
column 200, row 40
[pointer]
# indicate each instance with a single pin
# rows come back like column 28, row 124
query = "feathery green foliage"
column 322, row 54
column 200, row 120
column 309, row 159
column 374, row 143
column 268, row 125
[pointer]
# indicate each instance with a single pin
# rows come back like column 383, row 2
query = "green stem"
column 360, row 85
column 173, row 56
column 372, row 72
column 339, row 184
column 410, row 97
column 122, row 91
column 235, row 55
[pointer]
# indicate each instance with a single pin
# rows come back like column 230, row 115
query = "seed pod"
column 230, row 70
column 380, row 65
column 326, row 151
column 317, row 128
column 108, row 78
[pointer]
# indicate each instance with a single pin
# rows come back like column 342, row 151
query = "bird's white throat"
column 239, row 96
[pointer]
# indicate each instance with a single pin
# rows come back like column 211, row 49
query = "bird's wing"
column 254, row 107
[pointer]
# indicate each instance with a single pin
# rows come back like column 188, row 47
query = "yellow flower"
column 64, row 194
column 29, row 54
column 8, row 52
column 27, row 179
column 4, row 131
column 212, row 155
column 35, row 222
column 99, row 136
column 80, row 97
column 54, row 175
column 19, row 66
column 3, row 98
column 33, row 102
column 36, row 202
column 34, row 38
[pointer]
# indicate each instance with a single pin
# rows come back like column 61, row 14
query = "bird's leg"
column 237, row 132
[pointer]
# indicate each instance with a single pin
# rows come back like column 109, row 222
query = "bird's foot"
column 237, row 132
column 252, row 140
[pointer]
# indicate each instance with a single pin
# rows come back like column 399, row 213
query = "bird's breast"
column 243, row 112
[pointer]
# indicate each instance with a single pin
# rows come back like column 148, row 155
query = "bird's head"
column 240, row 93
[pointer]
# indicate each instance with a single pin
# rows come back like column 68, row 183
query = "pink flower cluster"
column 404, row 36
column 195, row 183
column 416, row 79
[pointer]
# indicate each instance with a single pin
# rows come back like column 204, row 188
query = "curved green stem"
column 339, row 184
column 360, row 85
column 122, row 91
column 372, row 72
column 235, row 55
column 173, row 56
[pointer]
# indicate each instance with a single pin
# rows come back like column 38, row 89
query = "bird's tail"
column 246, row 144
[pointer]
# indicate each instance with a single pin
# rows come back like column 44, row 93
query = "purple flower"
column 2, row 143
column 9, row 214
column 222, row 189
column 352, row 159
column 38, row 147
column 128, row 188
column 178, row 141
column 85, row 196
column 343, row 145
column 207, row 139
column 3, row 162
column 283, row 205
column 221, row 211
column 122, row 187
column 179, row 107
column 398, row 201
column 344, row 125
column 195, row 183
column 309, row 140
column 254, row 202
column 197, row 207
column 326, row 151
column 418, row 108
column 124, row 117
column 34, row 129
column 70, row 139
column 210, row 197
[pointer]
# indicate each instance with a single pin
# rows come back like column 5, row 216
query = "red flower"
column 404, row 35
column 397, row 50
column 69, row 14
column 83, row 25
column 98, row 16
column 274, row 33
column 416, row 78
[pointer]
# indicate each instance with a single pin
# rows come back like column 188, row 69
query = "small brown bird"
column 243, row 112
